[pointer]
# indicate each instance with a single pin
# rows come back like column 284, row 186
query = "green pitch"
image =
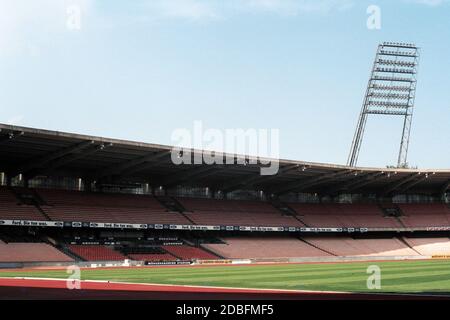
column 432, row 276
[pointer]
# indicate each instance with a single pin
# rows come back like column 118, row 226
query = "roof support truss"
column 306, row 183
column 53, row 165
column 42, row 161
column 394, row 186
column 253, row 179
column 127, row 166
column 191, row 174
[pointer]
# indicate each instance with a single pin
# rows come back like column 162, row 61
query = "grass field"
column 432, row 276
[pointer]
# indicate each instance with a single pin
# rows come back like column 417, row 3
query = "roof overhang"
column 36, row 152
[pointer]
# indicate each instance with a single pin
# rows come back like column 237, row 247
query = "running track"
column 44, row 289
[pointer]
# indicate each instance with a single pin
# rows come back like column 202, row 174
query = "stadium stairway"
column 30, row 197
column 66, row 251
column 185, row 252
column 317, row 247
column 170, row 203
column 392, row 210
column 43, row 212
column 408, row 245
column 173, row 205
column 177, row 257
column 60, row 247
column 211, row 251
column 400, row 221
column 187, row 217
column 286, row 210
column 201, row 246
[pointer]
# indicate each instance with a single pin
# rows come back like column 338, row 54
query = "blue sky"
column 140, row 69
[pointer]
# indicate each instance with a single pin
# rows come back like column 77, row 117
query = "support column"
column 8, row 180
column 87, row 184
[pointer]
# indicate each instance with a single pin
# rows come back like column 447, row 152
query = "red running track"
column 45, row 289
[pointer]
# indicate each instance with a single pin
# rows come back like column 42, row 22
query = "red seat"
column 31, row 252
column 189, row 253
column 236, row 212
column 96, row 253
column 113, row 208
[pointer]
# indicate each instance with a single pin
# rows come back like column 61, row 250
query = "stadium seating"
column 236, row 212
column 346, row 246
column 152, row 257
column 188, row 253
column 242, row 248
column 344, row 215
column 63, row 205
column 113, row 208
column 31, row 252
column 96, row 253
column 430, row 246
column 11, row 209
column 425, row 215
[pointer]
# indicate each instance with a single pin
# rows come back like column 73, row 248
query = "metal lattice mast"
column 391, row 91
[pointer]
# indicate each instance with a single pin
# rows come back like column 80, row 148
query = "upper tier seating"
column 188, row 253
column 11, row 209
column 96, row 253
column 344, row 215
column 236, row 212
column 97, row 207
column 430, row 246
column 425, row 215
column 242, row 248
column 31, row 252
column 63, row 205
column 346, row 246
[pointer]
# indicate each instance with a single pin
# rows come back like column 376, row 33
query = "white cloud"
column 28, row 26
column 218, row 9
column 294, row 7
column 25, row 25
column 431, row 3
column 188, row 9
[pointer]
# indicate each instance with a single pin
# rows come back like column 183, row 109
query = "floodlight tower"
column 391, row 91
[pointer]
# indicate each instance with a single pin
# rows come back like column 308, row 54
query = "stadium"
column 152, row 216
column 139, row 226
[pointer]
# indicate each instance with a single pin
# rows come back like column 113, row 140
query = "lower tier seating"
column 346, row 246
column 238, row 248
column 242, row 248
column 152, row 257
column 187, row 253
column 322, row 246
column 31, row 252
column 96, row 253
column 430, row 246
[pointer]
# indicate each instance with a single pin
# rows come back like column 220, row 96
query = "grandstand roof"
column 36, row 152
